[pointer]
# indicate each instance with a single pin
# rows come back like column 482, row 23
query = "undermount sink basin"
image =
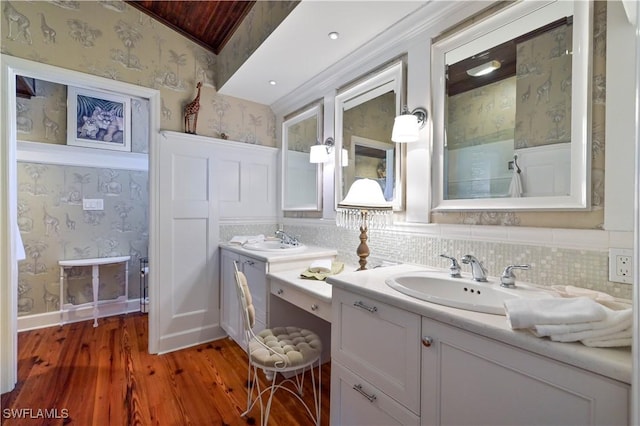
column 274, row 245
column 462, row 293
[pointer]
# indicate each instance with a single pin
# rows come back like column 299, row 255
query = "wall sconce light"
column 320, row 153
column 364, row 208
column 344, row 159
column 484, row 69
column 407, row 125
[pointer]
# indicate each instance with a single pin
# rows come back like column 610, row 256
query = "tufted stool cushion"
column 298, row 346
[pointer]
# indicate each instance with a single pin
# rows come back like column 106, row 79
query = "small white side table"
column 95, row 264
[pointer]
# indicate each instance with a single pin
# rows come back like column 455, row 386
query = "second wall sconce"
column 320, row 153
column 407, row 125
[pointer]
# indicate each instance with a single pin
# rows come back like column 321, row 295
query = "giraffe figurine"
column 191, row 113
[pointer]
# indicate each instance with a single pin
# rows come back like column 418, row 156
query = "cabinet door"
column 469, row 379
column 354, row 401
column 256, row 272
column 230, row 320
column 379, row 342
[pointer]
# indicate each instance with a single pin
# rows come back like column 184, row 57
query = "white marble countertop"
column 315, row 288
column 309, row 252
column 615, row 363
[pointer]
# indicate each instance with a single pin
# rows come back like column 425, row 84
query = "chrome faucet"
column 454, row 268
column 508, row 278
column 478, row 271
column 287, row 239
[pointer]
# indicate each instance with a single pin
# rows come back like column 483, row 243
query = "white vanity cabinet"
column 470, row 379
column 394, row 365
column 375, row 351
column 256, row 272
column 257, row 266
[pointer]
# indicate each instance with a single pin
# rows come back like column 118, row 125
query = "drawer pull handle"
column 358, row 388
column 427, row 341
column 314, row 307
column 280, row 291
column 359, row 304
column 249, row 262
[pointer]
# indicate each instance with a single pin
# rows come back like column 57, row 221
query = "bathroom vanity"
column 258, row 266
column 399, row 360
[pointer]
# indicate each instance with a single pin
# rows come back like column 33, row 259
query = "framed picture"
column 98, row 119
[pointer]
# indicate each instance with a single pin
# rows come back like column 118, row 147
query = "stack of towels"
column 573, row 319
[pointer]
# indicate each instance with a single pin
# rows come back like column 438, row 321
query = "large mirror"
column 301, row 179
column 512, row 110
column 365, row 113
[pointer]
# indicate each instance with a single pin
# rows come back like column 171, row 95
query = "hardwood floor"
column 82, row 375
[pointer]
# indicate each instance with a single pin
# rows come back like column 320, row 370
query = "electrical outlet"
column 621, row 265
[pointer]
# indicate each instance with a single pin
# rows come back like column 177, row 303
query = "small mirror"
column 301, row 180
column 511, row 115
column 365, row 114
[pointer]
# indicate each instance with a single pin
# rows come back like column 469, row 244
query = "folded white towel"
column 320, row 266
column 602, row 333
column 623, row 338
column 246, row 239
column 615, row 321
column 607, row 343
column 525, row 313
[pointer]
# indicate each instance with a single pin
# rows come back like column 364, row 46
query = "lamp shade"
column 365, row 193
column 318, row 154
column 405, row 128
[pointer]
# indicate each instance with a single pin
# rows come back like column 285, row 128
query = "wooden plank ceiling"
column 209, row 23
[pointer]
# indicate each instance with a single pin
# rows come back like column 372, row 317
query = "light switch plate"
column 92, row 204
column 621, row 265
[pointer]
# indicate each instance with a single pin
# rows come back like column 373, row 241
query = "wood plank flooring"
column 82, row 375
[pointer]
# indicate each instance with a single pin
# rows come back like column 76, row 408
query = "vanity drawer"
column 355, row 401
column 379, row 342
column 304, row 301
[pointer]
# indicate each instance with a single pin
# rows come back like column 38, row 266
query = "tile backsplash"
column 584, row 268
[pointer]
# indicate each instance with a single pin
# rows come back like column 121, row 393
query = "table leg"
column 95, row 282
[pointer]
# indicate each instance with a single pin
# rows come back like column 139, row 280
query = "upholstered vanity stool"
column 291, row 351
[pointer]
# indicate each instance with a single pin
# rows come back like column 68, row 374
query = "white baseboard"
column 50, row 319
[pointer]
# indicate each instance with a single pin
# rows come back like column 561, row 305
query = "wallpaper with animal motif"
column 372, row 119
column 303, row 135
column 54, row 226
column 483, row 115
column 543, row 114
column 112, row 39
column 593, row 219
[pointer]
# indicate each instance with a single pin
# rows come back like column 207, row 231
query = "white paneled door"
column 187, row 289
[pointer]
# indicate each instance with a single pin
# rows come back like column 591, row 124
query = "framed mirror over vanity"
column 511, row 110
column 364, row 117
column 301, row 179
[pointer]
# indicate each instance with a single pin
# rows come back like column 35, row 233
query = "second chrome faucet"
column 478, row 271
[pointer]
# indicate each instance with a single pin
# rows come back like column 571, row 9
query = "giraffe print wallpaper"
column 112, row 39
column 54, row 227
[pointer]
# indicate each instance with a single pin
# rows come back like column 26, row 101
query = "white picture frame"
column 98, row 119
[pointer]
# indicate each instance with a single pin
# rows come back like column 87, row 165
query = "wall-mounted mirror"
column 365, row 113
column 512, row 110
column 301, row 180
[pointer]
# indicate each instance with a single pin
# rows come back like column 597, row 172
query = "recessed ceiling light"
column 333, row 35
column 484, row 69
column 272, row 82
